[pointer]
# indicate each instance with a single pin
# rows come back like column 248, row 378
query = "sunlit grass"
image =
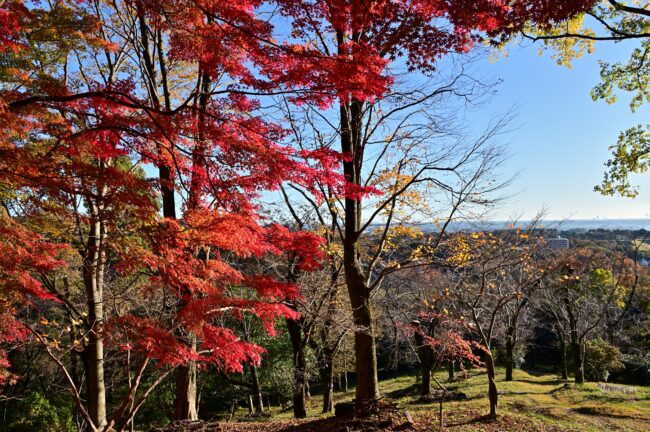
column 541, row 400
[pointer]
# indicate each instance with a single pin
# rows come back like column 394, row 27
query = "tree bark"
column 510, row 335
column 93, row 273
column 250, row 404
column 367, row 390
column 425, row 357
column 351, row 113
column 493, row 395
column 452, row 370
column 185, row 402
column 299, row 368
column 258, row 402
column 425, row 388
column 327, row 381
column 563, row 359
column 578, row 368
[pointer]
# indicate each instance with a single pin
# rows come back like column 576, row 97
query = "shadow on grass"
column 554, row 382
column 412, row 390
column 484, row 419
column 525, row 408
column 539, row 372
column 601, row 412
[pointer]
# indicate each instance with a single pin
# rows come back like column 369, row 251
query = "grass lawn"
column 532, row 402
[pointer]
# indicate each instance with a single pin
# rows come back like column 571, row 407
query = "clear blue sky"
column 562, row 136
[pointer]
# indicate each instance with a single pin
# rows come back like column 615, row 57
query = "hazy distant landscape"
column 560, row 225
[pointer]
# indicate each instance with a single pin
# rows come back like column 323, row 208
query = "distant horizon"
column 631, row 224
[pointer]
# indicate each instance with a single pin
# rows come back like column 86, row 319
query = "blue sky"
column 561, row 136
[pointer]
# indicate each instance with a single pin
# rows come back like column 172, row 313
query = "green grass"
column 531, row 402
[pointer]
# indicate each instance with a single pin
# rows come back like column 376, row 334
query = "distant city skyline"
column 561, row 136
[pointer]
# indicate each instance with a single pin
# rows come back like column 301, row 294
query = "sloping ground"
column 531, row 403
column 466, row 420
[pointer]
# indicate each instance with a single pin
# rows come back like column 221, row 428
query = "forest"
column 243, row 216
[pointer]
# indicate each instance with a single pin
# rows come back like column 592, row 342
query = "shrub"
column 636, row 370
column 601, row 358
column 37, row 413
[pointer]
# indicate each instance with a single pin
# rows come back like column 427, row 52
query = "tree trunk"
column 578, row 368
column 327, row 381
column 425, row 388
column 563, row 365
column 93, row 272
column 425, row 356
column 258, row 402
column 345, row 381
column 185, row 402
column 509, row 352
column 493, row 395
column 250, row 404
column 367, row 390
column 299, row 368
column 452, row 370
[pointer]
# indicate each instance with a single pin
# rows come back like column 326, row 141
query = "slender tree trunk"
column 299, row 368
column 425, row 357
column 510, row 335
column 258, row 402
column 578, row 367
column 250, row 404
column 345, row 381
column 74, row 355
column 351, row 112
column 425, row 388
column 579, row 359
column 327, row 381
column 186, row 390
column 93, row 272
column 185, row 405
column 563, row 359
column 451, row 367
column 493, row 395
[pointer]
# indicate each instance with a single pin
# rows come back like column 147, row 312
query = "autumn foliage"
column 116, row 116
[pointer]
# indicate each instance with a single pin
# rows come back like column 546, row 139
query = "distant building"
column 558, row 243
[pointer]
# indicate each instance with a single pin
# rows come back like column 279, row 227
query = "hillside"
column 533, row 402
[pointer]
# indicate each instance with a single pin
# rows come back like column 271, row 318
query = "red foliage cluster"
column 448, row 339
column 57, row 142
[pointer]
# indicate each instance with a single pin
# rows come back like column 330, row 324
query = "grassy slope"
column 530, row 403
